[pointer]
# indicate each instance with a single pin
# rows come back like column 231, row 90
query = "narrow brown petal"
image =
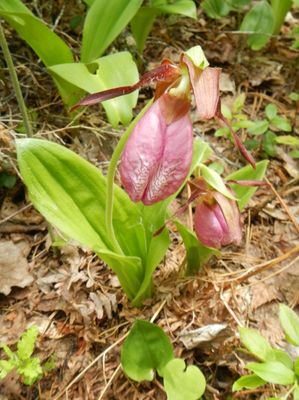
column 205, row 86
column 165, row 72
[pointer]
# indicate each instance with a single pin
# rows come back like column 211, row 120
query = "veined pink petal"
column 158, row 154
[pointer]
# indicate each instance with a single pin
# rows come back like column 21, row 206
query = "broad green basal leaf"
column 114, row 70
column 181, row 382
column 104, row 22
column 146, row 348
column 71, row 194
column 244, row 193
column 142, row 24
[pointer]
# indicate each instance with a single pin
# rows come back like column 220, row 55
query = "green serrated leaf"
column 8, row 352
column 103, row 23
column 215, row 180
column 30, row 370
column 259, row 24
column 5, row 367
column 281, row 124
column 271, row 111
column 146, row 348
column 259, row 127
column 244, row 193
column 255, row 343
column 273, row 372
column 181, row 382
column 290, row 323
column 26, row 344
column 248, row 382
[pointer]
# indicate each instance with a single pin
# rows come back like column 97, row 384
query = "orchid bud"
column 158, row 154
column 217, row 221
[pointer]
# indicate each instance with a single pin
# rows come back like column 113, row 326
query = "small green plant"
column 28, row 367
column 263, row 20
column 264, row 132
column 275, row 365
column 148, row 348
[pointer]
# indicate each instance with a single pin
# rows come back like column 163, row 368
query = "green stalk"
column 280, row 9
column 15, row 82
column 111, row 174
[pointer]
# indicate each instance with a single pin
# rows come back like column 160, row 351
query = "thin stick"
column 15, row 82
column 283, row 204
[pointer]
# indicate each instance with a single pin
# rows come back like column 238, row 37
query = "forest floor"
column 74, row 298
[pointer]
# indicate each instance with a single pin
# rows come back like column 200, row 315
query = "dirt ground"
column 72, row 296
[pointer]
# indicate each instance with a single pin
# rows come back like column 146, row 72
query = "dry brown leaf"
column 14, row 269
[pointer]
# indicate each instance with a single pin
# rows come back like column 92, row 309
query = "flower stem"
column 15, row 82
column 111, row 174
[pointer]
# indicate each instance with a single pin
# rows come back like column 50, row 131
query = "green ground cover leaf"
column 146, row 348
column 273, row 372
column 248, row 382
column 181, row 382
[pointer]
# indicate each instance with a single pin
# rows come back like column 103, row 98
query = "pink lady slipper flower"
column 157, row 157
column 217, row 221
